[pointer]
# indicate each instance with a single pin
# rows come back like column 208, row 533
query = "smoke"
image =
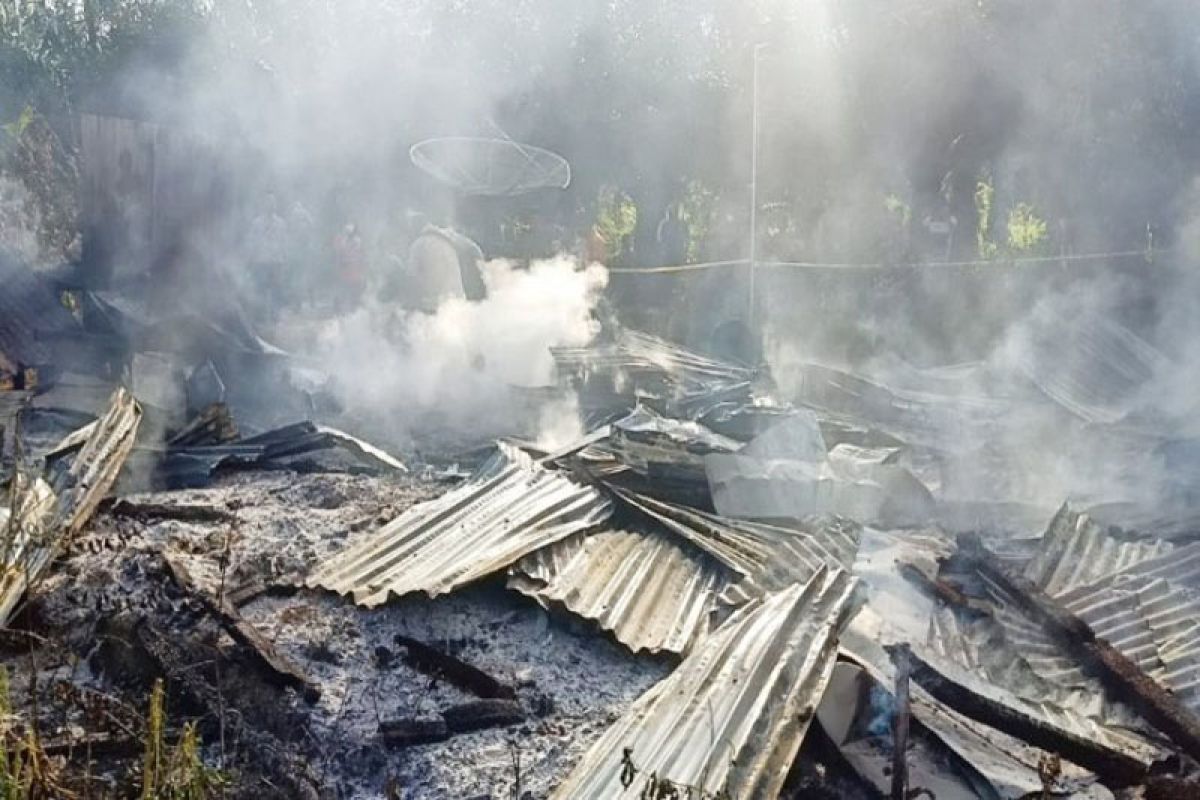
column 468, row 366
column 876, row 131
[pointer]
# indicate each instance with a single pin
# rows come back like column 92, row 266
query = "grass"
column 168, row 771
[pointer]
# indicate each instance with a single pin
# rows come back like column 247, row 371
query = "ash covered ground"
column 570, row 680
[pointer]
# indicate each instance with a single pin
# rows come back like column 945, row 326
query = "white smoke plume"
column 464, row 365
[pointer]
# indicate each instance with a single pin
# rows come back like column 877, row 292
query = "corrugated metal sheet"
column 641, row 354
column 651, row 590
column 1075, row 551
column 770, row 556
column 47, row 512
column 1150, row 611
column 1091, row 366
column 656, row 445
column 978, row 654
column 509, row 509
column 1142, row 596
column 656, row 587
column 1008, row 765
column 732, row 716
column 950, row 422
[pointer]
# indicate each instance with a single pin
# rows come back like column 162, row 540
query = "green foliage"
column 33, row 157
column 985, row 193
column 1027, row 232
column 25, row 771
column 177, row 773
column 697, row 209
column 616, row 219
column 898, row 208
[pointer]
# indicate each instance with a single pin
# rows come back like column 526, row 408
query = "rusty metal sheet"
column 509, row 509
column 652, row 590
column 44, row 513
column 732, row 716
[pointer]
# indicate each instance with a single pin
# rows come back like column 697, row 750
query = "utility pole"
column 753, row 308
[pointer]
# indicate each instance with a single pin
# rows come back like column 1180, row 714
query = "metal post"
column 752, row 315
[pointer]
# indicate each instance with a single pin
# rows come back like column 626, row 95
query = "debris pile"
column 717, row 592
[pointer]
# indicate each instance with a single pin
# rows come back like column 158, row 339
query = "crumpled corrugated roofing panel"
column 771, row 556
column 732, row 716
column 641, row 351
column 655, row 587
column 1076, row 551
column 510, row 508
column 978, row 654
column 651, row 590
column 1091, row 366
column 49, row 511
column 1150, row 611
column 1009, row 765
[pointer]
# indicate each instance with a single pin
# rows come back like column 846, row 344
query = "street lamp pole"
column 753, row 311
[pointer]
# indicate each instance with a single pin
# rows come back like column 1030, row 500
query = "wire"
column 1147, row 254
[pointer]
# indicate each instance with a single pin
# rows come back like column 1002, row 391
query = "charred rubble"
column 720, row 591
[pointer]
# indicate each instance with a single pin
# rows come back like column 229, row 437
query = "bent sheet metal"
column 509, row 509
column 44, row 513
column 732, row 716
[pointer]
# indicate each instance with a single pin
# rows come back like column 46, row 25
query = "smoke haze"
column 926, row 131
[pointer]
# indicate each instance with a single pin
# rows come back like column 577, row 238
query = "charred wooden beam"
column 936, row 587
column 1113, row 767
column 410, row 732
column 1118, row 673
column 148, row 512
column 454, row 670
column 213, row 425
column 475, row 715
column 479, row 714
column 276, row 668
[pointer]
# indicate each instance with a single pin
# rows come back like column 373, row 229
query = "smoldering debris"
column 646, row 607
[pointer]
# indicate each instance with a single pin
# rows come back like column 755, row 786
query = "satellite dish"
column 490, row 167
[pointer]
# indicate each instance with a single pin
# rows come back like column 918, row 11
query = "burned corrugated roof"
column 655, row 445
column 976, row 653
column 636, row 365
column 652, row 590
column 643, row 353
column 1075, row 551
column 770, row 556
column 1091, row 366
column 509, row 509
column 655, row 586
column 732, row 716
column 1150, row 611
column 79, row 473
column 1011, row 767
